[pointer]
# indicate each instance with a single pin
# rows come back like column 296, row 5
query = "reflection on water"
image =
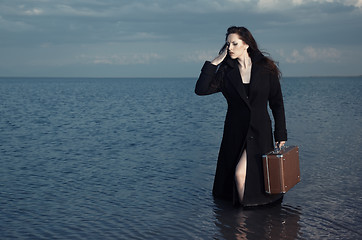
column 272, row 222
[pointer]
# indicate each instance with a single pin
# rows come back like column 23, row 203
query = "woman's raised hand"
column 220, row 57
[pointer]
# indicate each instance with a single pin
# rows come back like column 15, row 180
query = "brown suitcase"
column 281, row 169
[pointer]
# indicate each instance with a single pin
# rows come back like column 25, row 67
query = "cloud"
column 353, row 3
column 281, row 5
column 33, row 11
column 311, row 54
column 14, row 26
column 182, row 34
column 197, row 56
column 116, row 59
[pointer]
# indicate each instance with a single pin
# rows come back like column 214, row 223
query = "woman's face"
column 236, row 46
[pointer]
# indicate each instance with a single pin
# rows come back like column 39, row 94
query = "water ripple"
column 135, row 159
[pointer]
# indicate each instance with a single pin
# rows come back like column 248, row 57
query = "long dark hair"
column 248, row 38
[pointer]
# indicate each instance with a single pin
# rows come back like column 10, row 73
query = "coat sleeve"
column 277, row 106
column 209, row 80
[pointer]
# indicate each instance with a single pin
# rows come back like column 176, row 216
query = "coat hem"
column 265, row 204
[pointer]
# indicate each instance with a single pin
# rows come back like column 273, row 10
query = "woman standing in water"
column 249, row 81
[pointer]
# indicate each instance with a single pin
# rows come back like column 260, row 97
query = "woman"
column 249, row 81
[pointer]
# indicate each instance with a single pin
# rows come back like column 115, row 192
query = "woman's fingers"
column 219, row 58
column 279, row 144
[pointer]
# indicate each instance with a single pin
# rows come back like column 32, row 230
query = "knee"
column 240, row 173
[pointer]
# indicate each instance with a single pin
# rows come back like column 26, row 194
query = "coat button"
column 251, row 138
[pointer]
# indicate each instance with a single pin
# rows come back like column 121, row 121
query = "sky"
column 173, row 38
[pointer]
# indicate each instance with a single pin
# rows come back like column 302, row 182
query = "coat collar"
column 235, row 77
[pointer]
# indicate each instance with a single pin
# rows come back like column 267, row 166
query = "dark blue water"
column 135, row 159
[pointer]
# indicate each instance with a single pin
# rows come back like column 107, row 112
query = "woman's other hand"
column 279, row 144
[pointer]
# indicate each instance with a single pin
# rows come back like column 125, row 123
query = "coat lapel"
column 253, row 79
column 235, row 78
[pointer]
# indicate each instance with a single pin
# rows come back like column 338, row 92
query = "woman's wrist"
column 216, row 62
column 219, row 58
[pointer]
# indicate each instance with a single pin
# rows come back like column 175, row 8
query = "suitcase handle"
column 278, row 149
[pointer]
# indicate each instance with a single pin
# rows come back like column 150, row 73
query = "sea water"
column 132, row 158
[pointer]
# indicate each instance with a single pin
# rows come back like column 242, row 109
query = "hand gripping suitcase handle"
column 278, row 149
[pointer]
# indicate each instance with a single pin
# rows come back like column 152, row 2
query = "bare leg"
column 240, row 174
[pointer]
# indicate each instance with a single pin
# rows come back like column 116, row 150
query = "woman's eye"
column 235, row 44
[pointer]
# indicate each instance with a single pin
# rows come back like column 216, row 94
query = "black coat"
column 247, row 124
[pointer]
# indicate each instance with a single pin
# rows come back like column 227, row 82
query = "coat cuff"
column 209, row 68
column 280, row 136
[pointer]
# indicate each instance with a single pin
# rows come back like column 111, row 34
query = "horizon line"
column 307, row 76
